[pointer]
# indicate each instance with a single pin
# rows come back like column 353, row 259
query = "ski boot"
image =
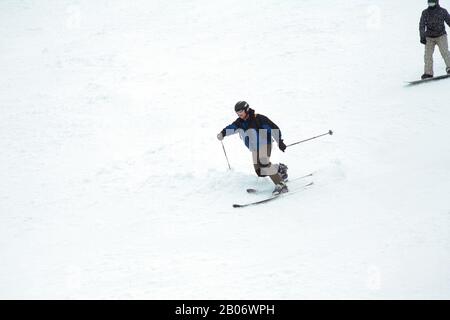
column 426, row 76
column 448, row 70
column 282, row 171
column 280, row 188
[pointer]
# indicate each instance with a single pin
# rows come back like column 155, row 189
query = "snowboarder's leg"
column 442, row 43
column 429, row 50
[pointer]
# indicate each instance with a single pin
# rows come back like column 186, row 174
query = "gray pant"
column 262, row 165
column 442, row 43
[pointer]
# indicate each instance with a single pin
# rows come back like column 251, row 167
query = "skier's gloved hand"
column 220, row 136
column 281, row 145
column 423, row 40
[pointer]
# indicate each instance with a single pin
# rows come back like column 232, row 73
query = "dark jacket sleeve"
column 422, row 25
column 266, row 123
column 231, row 129
column 447, row 17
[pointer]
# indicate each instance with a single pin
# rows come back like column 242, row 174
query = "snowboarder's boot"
column 280, row 188
column 426, row 76
column 448, row 70
column 282, row 171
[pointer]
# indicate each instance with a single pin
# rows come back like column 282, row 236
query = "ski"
column 411, row 83
column 254, row 191
column 271, row 198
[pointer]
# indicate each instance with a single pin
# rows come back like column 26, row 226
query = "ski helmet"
column 241, row 105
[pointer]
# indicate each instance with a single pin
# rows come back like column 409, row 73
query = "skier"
column 432, row 33
column 257, row 132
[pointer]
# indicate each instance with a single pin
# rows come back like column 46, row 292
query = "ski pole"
column 229, row 167
column 328, row 133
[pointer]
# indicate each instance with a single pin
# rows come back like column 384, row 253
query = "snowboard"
column 411, row 83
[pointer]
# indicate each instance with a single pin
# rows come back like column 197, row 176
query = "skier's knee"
column 258, row 172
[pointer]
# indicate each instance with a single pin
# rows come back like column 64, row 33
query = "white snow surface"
column 114, row 186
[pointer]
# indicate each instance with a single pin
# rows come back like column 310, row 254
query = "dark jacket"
column 432, row 22
column 256, row 131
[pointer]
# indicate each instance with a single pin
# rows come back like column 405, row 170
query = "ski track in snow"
column 113, row 186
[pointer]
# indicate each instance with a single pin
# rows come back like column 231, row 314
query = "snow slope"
column 113, row 185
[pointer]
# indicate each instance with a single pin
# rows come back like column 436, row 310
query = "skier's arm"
column 422, row 26
column 447, row 18
column 230, row 129
column 268, row 124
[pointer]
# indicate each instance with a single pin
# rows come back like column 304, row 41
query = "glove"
column 281, row 145
column 220, row 136
column 423, row 40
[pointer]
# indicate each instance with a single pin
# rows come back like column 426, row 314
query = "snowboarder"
column 432, row 33
column 257, row 132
